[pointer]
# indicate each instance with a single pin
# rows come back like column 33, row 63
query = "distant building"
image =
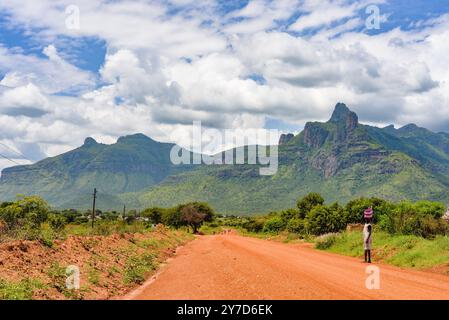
column 446, row 215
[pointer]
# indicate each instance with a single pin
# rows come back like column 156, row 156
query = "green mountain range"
column 342, row 159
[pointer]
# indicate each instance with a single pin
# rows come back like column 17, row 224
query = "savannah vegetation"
column 312, row 217
column 31, row 218
column 407, row 234
column 116, row 254
column 411, row 234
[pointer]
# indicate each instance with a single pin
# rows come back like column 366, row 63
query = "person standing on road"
column 368, row 234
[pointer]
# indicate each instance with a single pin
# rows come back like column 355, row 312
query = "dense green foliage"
column 31, row 218
column 313, row 218
column 322, row 219
column 309, row 202
column 24, row 217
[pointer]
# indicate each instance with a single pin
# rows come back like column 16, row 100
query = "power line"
column 16, row 152
column 7, row 158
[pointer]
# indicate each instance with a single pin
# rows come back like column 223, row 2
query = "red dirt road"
column 234, row 267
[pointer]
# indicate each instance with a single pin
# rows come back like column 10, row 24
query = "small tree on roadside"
column 195, row 214
column 172, row 217
column 154, row 214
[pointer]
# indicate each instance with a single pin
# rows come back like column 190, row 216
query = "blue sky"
column 156, row 66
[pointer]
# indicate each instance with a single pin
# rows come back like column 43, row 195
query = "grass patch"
column 326, row 241
column 22, row 290
column 105, row 228
column 58, row 276
column 138, row 266
column 94, row 276
column 399, row 250
column 148, row 243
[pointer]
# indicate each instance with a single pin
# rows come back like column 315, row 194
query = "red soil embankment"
column 102, row 261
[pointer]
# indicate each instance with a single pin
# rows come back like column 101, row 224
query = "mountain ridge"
column 340, row 158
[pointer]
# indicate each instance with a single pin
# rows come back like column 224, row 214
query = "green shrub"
column 172, row 217
column 254, row 224
column 137, row 267
column 26, row 211
column 154, row 214
column 274, row 224
column 57, row 222
column 323, row 220
column 296, row 225
column 326, row 241
column 287, row 215
column 81, row 220
column 424, row 226
column 57, row 274
column 422, row 218
column 307, row 203
column 354, row 209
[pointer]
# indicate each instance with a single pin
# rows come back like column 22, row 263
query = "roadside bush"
column 154, row 214
column 326, row 241
column 81, row 220
column 296, row 225
column 287, row 215
column 422, row 218
column 434, row 209
column 354, row 209
column 26, row 212
column 71, row 215
column 57, row 222
column 274, row 224
column 307, row 203
column 172, row 217
column 254, row 224
column 323, row 220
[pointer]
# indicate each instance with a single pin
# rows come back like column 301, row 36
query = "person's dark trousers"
column 368, row 256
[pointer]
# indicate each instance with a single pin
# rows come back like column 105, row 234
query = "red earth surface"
column 234, row 267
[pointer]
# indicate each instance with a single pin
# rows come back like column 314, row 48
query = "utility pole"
column 93, row 207
column 124, row 212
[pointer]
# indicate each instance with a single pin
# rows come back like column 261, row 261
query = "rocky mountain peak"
column 137, row 138
column 409, row 127
column 90, row 142
column 285, row 138
column 343, row 121
column 343, row 115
